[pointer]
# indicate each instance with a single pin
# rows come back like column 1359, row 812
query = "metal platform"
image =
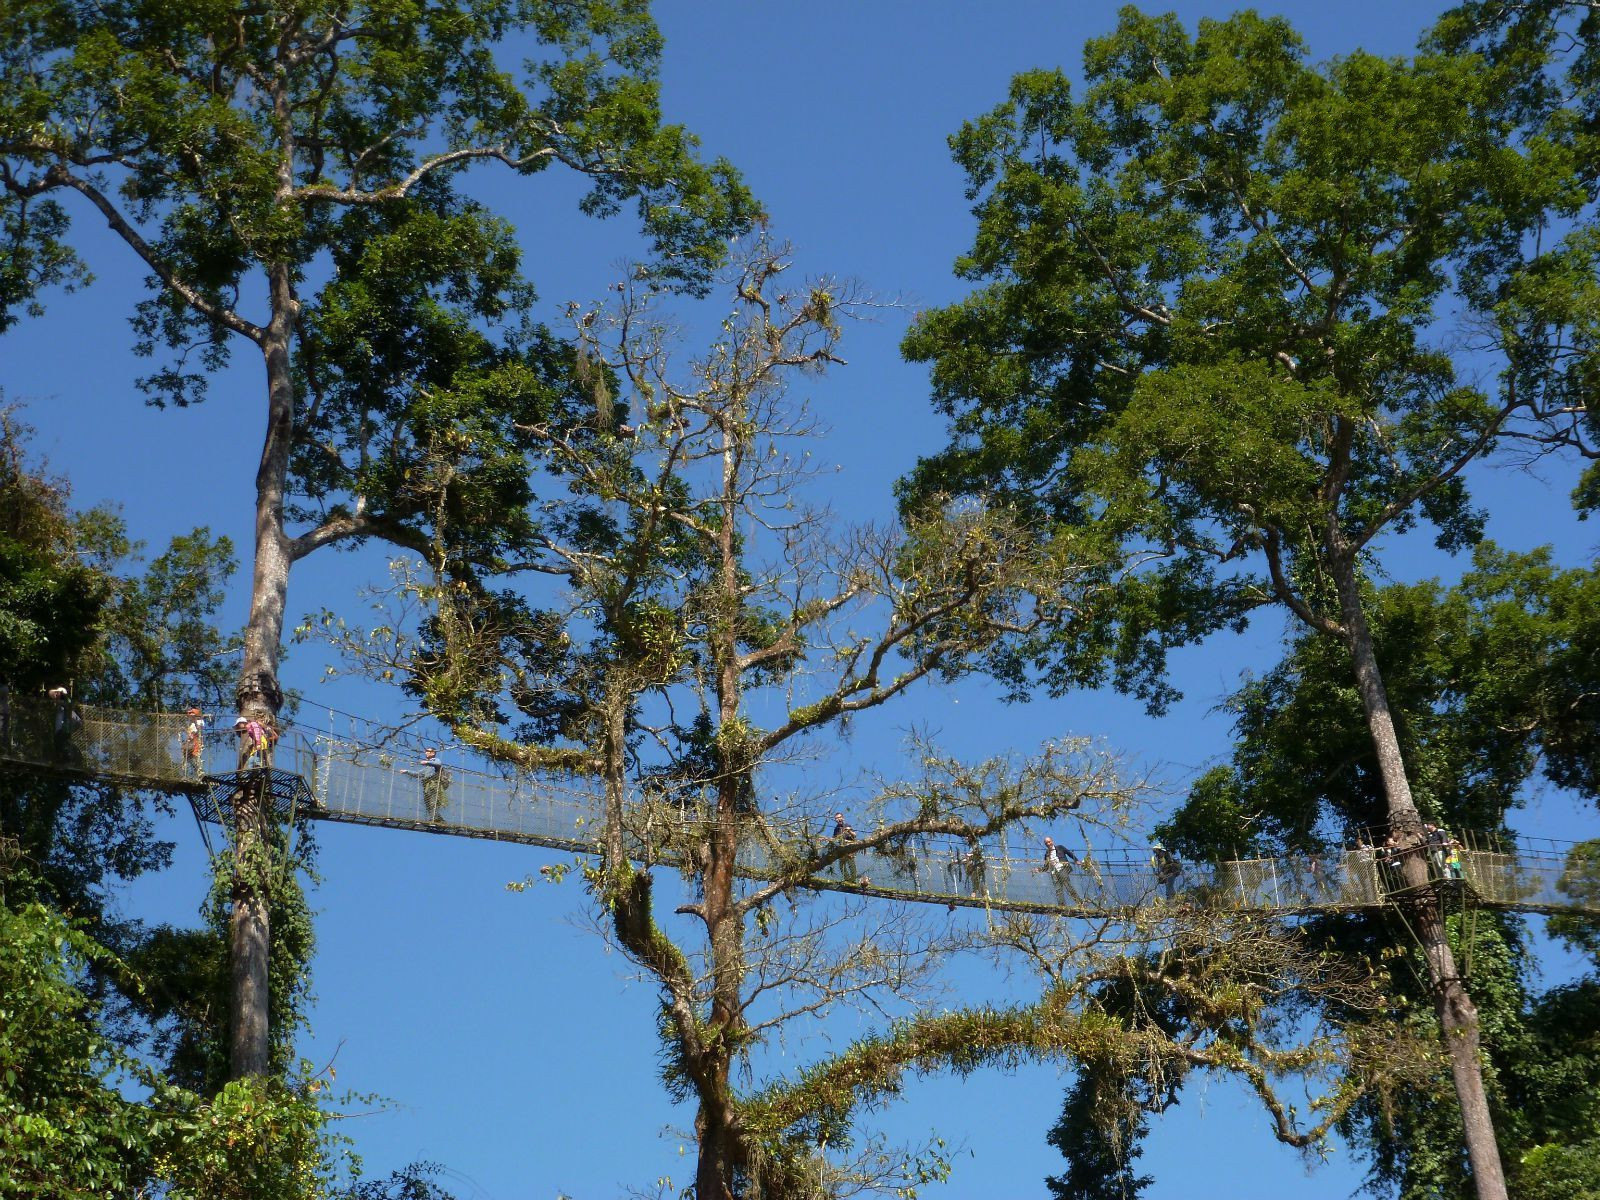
column 288, row 795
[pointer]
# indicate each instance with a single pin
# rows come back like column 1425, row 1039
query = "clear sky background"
column 512, row 1048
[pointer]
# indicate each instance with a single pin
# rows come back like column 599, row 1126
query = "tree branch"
column 59, row 176
column 397, row 191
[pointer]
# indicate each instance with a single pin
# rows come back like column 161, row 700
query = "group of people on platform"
column 256, row 740
column 65, row 719
column 1442, row 849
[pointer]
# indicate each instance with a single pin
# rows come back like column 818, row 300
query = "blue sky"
column 512, row 1047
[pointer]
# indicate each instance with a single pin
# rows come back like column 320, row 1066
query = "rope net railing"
column 326, row 778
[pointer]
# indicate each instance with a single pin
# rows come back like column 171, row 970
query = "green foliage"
column 1479, row 678
column 162, row 647
column 411, row 1182
column 1135, row 1024
column 1492, row 682
column 1203, row 337
column 1552, row 1088
column 256, row 1139
column 245, row 153
column 675, row 620
column 1581, row 881
column 1106, row 1111
column 47, row 615
column 1098, row 1133
column 1539, row 654
column 378, row 101
column 85, row 618
column 1210, row 339
column 117, row 637
column 402, row 338
column 69, row 1128
column 1556, row 1172
column 1548, row 52
column 73, row 610
column 185, row 973
column 1542, row 1072
column 64, row 1130
column 50, row 602
column 40, row 257
column 198, row 1038
column 82, row 986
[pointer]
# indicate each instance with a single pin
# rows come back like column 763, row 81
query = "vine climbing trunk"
column 259, row 696
column 249, row 932
column 1457, row 1014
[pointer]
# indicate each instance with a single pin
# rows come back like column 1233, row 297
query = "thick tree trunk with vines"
column 714, row 1167
column 259, row 696
column 249, row 932
column 1458, row 1016
column 719, row 1143
column 718, row 1152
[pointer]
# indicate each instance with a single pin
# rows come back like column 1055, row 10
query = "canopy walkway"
column 328, row 779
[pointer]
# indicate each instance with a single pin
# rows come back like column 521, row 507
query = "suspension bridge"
column 321, row 777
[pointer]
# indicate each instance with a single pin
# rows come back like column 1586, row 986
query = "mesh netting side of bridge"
column 139, row 749
column 333, row 780
column 565, row 812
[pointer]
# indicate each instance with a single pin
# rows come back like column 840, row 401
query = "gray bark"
column 249, row 925
column 1458, row 1016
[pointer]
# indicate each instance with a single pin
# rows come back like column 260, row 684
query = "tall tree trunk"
column 719, row 1142
column 249, row 931
column 249, row 924
column 713, row 1175
column 1458, row 1016
column 259, row 695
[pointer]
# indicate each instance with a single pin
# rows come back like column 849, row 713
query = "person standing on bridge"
column 973, row 869
column 66, row 719
column 1438, row 843
column 844, row 834
column 1168, row 868
column 1398, row 847
column 194, row 743
column 1319, row 877
column 1057, row 860
column 435, row 783
column 255, row 743
column 1361, row 873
